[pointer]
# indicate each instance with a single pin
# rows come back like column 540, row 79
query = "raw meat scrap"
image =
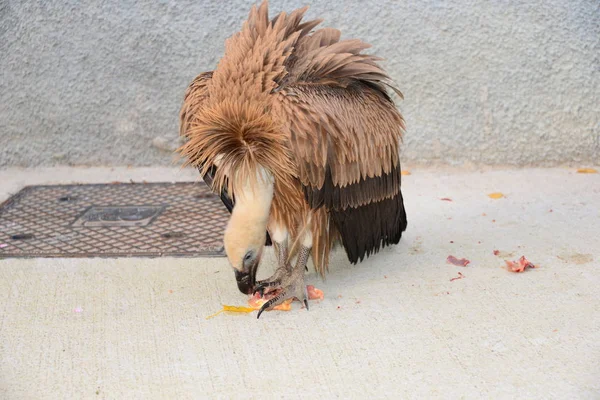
column 314, row 293
column 460, row 276
column 455, row 261
column 519, row 266
column 256, row 302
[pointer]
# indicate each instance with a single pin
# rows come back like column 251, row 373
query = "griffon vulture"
column 295, row 130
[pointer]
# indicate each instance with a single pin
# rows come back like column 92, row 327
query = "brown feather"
column 314, row 111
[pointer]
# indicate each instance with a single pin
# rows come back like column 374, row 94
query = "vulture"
column 296, row 132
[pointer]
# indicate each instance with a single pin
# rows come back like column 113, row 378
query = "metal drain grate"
column 113, row 220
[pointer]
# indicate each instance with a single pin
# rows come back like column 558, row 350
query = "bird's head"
column 245, row 234
column 245, row 144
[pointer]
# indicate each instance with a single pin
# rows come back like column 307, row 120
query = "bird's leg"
column 291, row 283
column 281, row 252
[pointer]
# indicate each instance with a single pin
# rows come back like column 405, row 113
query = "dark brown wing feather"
column 346, row 142
column 365, row 225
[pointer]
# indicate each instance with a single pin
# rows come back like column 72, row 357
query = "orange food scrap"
column 256, row 302
column 519, row 266
column 587, row 171
column 314, row 293
column 232, row 309
column 463, row 262
column 496, row 195
column 405, row 172
column 237, row 309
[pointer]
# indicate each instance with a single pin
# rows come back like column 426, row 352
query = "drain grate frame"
column 156, row 219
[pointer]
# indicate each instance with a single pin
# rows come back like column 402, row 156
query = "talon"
column 258, row 288
column 286, row 284
column 260, row 311
column 270, row 303
column 262, row 285
column 305, row 295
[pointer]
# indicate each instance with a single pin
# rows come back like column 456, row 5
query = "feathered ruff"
column 244, row 137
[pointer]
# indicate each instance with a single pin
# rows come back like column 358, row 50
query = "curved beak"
column 247, row 280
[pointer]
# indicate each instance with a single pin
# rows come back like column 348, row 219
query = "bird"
column 297, row 132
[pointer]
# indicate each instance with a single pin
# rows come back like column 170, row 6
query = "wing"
column 194, row 99
column 346, row 136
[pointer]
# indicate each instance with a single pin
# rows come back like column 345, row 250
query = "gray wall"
column 485, row 82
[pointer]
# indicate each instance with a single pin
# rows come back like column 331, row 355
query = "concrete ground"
column 395, row 326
